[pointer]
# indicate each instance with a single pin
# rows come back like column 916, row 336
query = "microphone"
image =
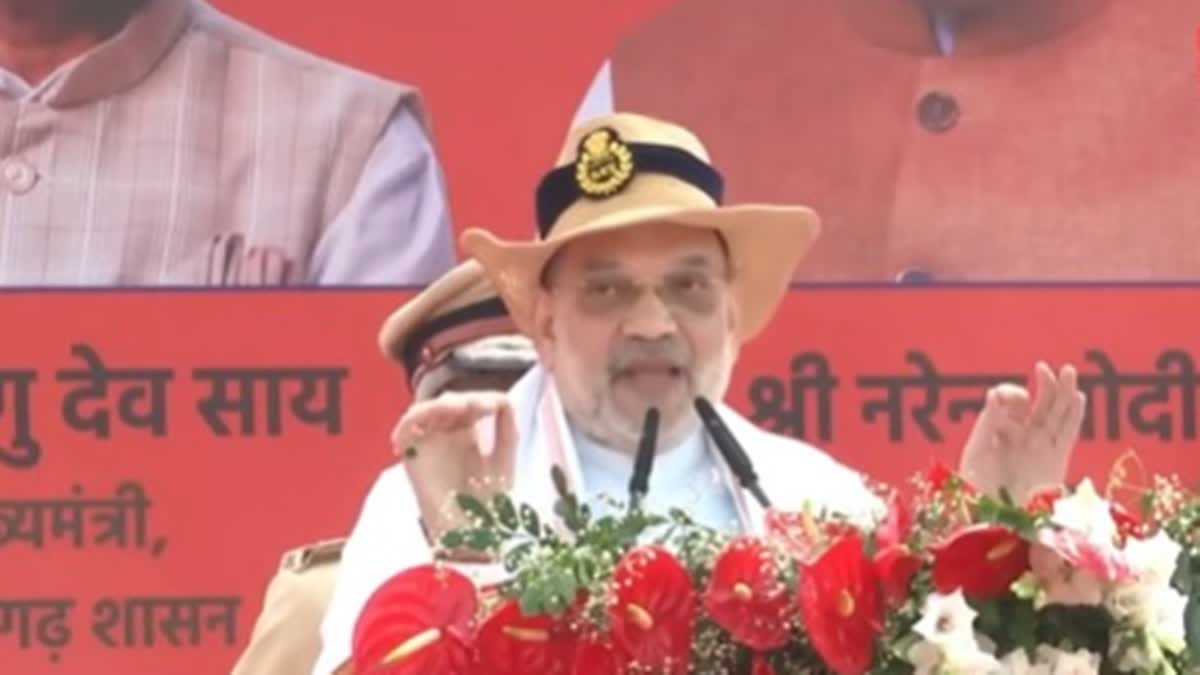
column 643, row 462
column 731, row 450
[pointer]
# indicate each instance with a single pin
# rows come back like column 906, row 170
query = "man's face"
column 638, row 318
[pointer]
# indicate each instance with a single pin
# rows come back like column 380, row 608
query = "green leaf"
column 585, row 566
column 453, row 539
column 474, row 508
column 901, row 647
column 631, row 528
column 533, row 599
column 506, row 513
column 991, row 510
column 517, row 555
column 1191, row 622
column 1146, row 504
column 481, row 539
column 560, row 481
column 1024, row 627
column 1085, row 627
column 605, row 526
column 562, row 588
column 568, row 510
column 1184, row 580
column 680, row 516
column 1026, row 586
column 1006, row 497
column 530, row 520
column 989, row 616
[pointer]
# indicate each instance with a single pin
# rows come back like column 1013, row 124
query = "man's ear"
column 543, row 328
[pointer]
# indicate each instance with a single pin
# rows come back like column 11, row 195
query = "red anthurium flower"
column 801, row 534
column 842, row 606
column 896, row 566
column 796, row 533
column 651, row 619
column 982, row 560
column 417, row 622
column 760, row 666
column 1128, row 523
column 746, row 597
column 1041, row 502
column 596, row 656
column 895, row 528
column 510, row 643
column 940, row 476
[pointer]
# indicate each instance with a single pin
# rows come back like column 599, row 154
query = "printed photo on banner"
column 165, row 142
column 941, row 140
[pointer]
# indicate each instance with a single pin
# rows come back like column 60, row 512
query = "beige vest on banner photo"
column 187, row 141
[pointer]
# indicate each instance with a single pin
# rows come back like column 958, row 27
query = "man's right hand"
column 458, row 442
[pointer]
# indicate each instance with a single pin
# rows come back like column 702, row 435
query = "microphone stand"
column 735, row 456
column 643, row 462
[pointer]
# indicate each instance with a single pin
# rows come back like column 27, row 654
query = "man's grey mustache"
column 673, row 352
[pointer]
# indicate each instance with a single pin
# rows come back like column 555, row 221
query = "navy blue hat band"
column 606, row 166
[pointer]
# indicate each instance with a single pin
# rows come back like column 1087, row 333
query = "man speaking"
column 638, row 294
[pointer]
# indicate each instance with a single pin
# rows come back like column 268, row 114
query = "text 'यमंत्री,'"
column 120, row 520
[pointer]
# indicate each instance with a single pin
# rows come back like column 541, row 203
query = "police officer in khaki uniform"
column 455, row 335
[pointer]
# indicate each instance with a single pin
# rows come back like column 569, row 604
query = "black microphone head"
column 650, row 423
column 643, row 462
column 726, row 444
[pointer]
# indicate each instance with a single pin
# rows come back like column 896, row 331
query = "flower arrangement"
column 950, row 581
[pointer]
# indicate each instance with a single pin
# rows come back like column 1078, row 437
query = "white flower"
column 1086, row 512
column 947, row 622
column 1132, row 603
column 1151, row 623
column 1081, row 662
column 970, row 661
column 925, row 657
column 954, row 659
column 950, row 646
column 1153, row 560
column 1169, row 607
column 1159, row 608
column 1017, row 662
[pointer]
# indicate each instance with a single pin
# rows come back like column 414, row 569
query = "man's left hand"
column 1022, row 445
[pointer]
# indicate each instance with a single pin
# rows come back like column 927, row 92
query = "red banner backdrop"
column 148, row 486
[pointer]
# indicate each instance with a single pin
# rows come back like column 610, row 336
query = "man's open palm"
column 1020, row 442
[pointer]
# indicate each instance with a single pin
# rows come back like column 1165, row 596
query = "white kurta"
column 686, row 476
column 387, row 537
